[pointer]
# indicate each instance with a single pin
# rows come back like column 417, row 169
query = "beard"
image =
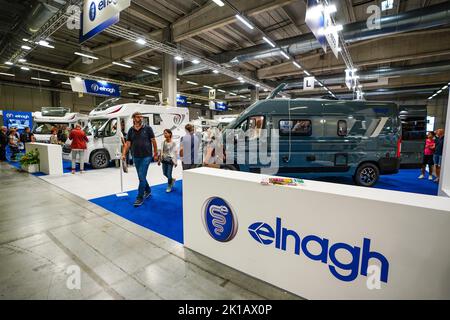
column 137, row 122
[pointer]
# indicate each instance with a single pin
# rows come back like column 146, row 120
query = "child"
column 428, row 156
column 168, row 158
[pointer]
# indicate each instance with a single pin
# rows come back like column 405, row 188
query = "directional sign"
column 212, row 94
column 308, row 83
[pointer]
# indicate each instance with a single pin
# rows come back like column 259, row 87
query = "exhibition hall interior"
column 224, row 150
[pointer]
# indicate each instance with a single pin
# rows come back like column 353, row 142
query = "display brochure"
column 282, row 181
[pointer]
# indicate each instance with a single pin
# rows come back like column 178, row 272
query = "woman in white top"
column 168, row 158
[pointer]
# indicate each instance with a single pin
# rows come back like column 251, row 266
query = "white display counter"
column 50, row 157
column 321, row 240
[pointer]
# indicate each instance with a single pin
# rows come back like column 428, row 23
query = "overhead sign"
column 315, row 20
column 221, row 106
column 212, row 94
column 181, row 101
column 17, row 119
column 95, row 87
column 98, row 15
column 308, row 83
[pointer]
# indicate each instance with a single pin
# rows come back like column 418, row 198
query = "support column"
column 254, row 94
column 444, row 179
column 169, row 81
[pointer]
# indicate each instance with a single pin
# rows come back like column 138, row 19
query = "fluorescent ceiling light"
column 297, row 65
column 306, row 72
column 198, row 104
column 244, row 21
column 178, row 79
column 429, row 98
column 320, row 84
column 240, row 78
column 26, row 47
column 133, row 93
column 178, row 58
column 141, row 41
column 195, row 61
column 243, row 97
column 220, row 90
column 439, row 91
column 25, row 39
column 121, row 64
column 360, row 86
column 151, row 72
column 25, row 68
column 207, row 87
column 192, row 82
column 149, row 96
column 22, row 60
column 215, row 71
column 78, row 79
column 233, row 94
column 53, row 72
column 219, row 3
column 444, row 87
column 284, row 54
column 85, row 55
column 40, row 79
column 44, row 43
column 9, row 63
column 66, row 83
column 153, row 68
column 257, row 85
column 269, row 42
column 7, row 74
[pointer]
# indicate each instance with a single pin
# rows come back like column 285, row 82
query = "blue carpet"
column 162, row 212
column 406, row 180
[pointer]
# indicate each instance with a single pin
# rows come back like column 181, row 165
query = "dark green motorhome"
column 320, row 138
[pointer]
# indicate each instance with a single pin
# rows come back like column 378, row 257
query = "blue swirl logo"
column 92, row 11
column 219, row 220
column 94, row 87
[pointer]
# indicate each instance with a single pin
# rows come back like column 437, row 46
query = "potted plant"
column 30, row 161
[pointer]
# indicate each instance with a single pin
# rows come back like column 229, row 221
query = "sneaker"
column 138, row 202
column 147, row 194
column 430, row 177
column 173, row 183
column 421, row 176
column 169, row 188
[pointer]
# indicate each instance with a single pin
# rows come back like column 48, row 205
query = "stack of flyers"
column 282, row 181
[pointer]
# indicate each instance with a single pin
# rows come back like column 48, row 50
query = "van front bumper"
column 389, row 165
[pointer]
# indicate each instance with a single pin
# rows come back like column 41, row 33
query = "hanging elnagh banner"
column 17, row 119
column 97, row 15
column 95, row 87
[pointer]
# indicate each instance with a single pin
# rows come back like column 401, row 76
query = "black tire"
column 100, row 159
column 367, row 175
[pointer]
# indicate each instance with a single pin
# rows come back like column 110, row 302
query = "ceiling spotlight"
column 178, row 58
column 141, row 41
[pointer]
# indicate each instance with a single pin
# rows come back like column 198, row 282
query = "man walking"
column 438, row 152
column 142, row 141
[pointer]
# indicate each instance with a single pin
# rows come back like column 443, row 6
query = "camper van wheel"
column 367, row 175
column 100, row 159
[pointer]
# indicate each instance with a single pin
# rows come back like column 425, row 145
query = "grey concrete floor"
column 46, row 233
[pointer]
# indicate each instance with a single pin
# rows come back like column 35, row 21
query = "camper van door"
column 111, row 138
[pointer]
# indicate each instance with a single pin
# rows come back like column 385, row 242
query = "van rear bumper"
column 389, row 165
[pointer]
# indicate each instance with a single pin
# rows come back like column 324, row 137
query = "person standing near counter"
column 141, row 139
column 27, row 136
column 78, row 146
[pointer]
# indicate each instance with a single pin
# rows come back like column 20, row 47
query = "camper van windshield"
column 46, row 127
column 108, row 104
column 94, row 125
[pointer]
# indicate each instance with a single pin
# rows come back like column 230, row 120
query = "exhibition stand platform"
column 50, row 157
column 321, row 240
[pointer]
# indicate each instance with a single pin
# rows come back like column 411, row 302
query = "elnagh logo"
column 219, row 220
column 94, row 87
column 322, row 250
column 92, row 11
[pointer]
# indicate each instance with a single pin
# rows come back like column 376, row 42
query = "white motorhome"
column 202, row 124
column 225, row 120
column 105, row 121
column 49, row 117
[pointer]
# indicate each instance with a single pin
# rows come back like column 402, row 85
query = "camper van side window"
column 342, row 128
column 297, row 127
column 157, row 119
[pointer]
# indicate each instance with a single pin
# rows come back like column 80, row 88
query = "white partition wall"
column 50, row 157
column 444, row 182
column 321, row 240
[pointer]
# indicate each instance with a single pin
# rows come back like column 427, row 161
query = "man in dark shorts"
column 141, row 140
